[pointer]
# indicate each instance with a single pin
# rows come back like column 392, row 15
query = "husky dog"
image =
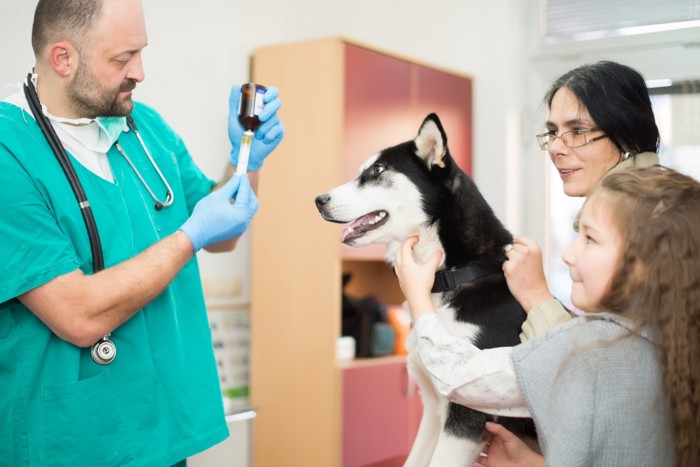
column 416, row 188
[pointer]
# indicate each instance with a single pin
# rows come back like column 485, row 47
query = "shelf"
column 365, row 362
column 225, row 304
column 241, row 415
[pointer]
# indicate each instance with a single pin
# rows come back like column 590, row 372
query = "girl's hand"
column 507, row 450
column 416, row 280
column 525, row 274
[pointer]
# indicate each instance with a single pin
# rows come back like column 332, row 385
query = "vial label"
column 259, row 93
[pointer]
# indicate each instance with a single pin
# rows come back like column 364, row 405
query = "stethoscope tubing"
column 58, row 149
column 103, row 351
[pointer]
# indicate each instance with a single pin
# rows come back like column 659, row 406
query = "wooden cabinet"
column 341, row 102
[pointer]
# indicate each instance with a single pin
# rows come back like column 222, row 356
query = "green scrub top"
column 159, row 401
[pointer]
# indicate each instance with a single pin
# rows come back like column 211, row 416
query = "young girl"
column 620, row 385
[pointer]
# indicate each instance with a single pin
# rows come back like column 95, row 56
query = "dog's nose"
column 321, row 200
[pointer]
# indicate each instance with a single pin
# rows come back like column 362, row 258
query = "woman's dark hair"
column 617, row 99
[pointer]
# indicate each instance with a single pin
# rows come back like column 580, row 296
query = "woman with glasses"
column 600, row 121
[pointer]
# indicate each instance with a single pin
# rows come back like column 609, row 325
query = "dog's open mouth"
column 361, row 225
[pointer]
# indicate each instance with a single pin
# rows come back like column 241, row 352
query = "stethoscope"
column 169, row 195
column 103, row 351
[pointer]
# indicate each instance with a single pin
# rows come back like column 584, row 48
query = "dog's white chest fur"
column 464, row 331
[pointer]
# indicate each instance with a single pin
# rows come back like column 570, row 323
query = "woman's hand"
column 525, row 274
column 507, row 450
column 416, row 280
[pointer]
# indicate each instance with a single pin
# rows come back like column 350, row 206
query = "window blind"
column 593, row 19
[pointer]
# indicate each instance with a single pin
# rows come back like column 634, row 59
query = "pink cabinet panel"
column 380, row 414
column 450, row 96
column 377, row 105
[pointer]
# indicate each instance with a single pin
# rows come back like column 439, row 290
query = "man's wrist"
column 183, row 239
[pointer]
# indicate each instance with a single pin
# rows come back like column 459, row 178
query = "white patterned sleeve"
column 483, row 380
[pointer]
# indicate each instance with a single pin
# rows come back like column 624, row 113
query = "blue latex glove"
column 215, row 219
column 267, row 136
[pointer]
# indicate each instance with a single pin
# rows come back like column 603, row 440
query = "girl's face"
column 595, row 254
column 580, row 168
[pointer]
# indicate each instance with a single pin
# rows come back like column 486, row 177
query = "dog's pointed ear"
column 431, row 142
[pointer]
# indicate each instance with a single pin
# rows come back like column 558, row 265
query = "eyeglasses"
column 572, row 139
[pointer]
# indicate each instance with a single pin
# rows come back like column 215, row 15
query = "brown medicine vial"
column 250, row 105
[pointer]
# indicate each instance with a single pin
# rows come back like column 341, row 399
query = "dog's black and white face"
column 378, row 206
column 390, row 200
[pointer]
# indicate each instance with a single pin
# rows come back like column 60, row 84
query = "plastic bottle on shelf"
column 400, row 320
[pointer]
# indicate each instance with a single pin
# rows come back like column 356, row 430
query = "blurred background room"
column 276, row 303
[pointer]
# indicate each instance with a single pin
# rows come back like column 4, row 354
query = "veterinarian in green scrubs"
column 52, row 389
column 159, row 400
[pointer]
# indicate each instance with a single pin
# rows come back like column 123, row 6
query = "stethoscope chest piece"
column 103, row 351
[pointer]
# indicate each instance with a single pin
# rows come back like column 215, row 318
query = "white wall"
column 197, row 49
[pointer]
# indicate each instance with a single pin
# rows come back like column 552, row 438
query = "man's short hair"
column 56, row 20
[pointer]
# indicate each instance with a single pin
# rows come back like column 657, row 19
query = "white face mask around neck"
column 95, row 134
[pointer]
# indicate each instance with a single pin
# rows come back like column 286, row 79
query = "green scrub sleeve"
column 50, row 253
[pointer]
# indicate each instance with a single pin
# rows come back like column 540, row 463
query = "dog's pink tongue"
column 345, row 234
column 350, row 229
